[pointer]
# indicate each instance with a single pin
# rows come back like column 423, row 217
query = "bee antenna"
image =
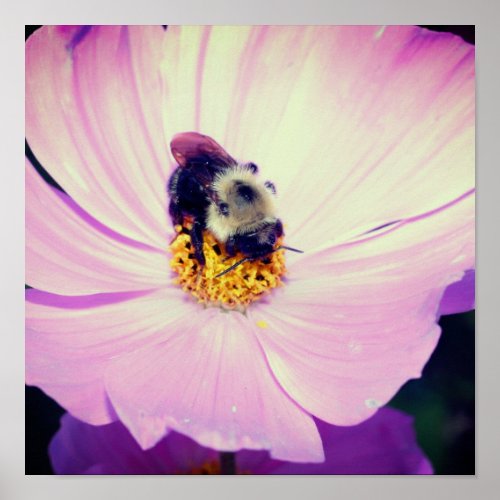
column 288, row 248
column 246, row 259
column 232, row 267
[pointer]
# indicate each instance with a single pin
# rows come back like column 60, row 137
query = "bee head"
column 259, row 244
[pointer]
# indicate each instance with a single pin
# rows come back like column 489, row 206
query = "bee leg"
column 230, row 248
column 270, row 187
column 196, row 234
column 175, row 212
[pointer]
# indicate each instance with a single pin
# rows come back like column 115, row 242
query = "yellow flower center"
column 210, row 467
column 234, row 290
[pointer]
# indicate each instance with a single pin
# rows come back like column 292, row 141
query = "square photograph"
column 250, row 250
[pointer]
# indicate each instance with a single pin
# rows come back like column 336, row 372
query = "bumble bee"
column 226, row 197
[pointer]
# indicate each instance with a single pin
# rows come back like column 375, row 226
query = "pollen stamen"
column 236, row 289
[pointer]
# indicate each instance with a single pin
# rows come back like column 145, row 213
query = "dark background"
column 442, row 401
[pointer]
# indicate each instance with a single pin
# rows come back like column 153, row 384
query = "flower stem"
column 227, row 463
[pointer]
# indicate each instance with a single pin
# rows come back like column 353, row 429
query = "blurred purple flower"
column 384, row 444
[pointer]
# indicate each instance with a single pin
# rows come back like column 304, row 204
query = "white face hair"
column 244, row 215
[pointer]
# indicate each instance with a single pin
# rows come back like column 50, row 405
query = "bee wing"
column 188, row 146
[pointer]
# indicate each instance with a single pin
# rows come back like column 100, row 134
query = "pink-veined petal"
column 460, row 296
column 71, row 340
column 367, row 123
column 93, row 119
column 69, row 252
column 358, row 320
column 212, row 383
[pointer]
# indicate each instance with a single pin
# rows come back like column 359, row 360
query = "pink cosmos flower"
column 384, row 444
column 368, row 134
